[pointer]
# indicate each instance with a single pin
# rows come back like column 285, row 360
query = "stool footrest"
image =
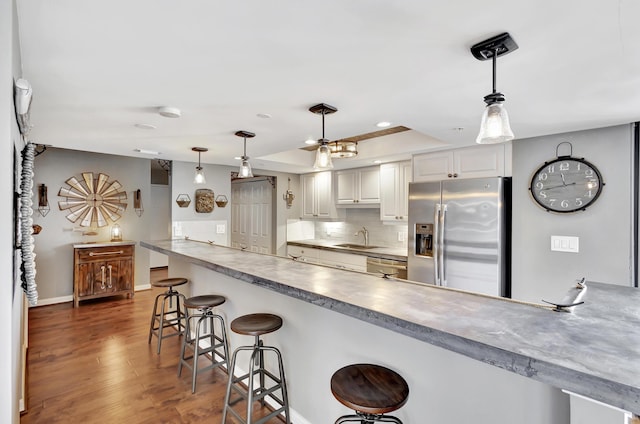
column 367, row 418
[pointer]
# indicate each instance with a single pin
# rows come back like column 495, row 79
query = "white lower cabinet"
column 328, row 257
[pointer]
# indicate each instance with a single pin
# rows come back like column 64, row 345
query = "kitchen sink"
column 355, row 246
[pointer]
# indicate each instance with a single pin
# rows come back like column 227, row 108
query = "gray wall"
column 604, row 229
column 54, row 260
column 219, row 180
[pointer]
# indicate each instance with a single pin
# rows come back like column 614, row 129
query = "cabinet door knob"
column 449, row 175
column 455, row 175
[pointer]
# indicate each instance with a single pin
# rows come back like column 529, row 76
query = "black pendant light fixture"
column 199, row 177
column 245, row 166
column 323, row 154
column 494, row 127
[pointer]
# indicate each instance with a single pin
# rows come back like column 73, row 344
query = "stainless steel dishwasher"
column 396, row 268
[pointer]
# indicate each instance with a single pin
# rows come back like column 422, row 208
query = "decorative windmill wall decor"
column 93, row 200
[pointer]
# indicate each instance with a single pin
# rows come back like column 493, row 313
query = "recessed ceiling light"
column 169, row 112
column 377, row 161
column 145, row 126
column 383, row 124
column 310, row 141
column 146, row 152
column 263, row 115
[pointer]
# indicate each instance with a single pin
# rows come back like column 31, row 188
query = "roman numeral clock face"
column 566, row 185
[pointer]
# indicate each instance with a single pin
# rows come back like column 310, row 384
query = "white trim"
column 142, row 287
column 53, row 300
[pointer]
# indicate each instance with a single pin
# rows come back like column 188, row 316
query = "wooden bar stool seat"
column 168, row 317
column 371, row 391
column 218, row 348
column 257, row 325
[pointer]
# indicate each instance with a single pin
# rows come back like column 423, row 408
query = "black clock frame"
column 601, row 182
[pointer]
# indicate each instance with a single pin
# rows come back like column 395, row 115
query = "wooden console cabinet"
column 103, row 269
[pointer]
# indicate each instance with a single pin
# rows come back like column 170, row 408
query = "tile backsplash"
column 388, row 234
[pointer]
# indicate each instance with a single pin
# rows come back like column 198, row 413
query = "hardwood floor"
column 93, row 364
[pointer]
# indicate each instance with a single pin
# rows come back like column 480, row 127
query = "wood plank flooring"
column 93, row 364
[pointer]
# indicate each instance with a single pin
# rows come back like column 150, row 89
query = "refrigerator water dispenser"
column 424, row 239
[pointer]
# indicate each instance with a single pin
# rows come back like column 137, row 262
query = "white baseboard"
column 53, row 301
column 142, row 287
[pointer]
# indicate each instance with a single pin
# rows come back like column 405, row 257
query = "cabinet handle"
column 449, row 175
column 119, row 252
column 102, row 286
column 110, row 275
column 455, row 175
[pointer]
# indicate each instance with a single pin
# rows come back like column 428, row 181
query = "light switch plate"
column 565, row 244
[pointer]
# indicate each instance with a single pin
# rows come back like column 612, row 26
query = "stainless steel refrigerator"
column 460, row 234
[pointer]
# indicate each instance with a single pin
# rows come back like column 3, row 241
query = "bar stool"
column 218, row 344
column 371, row 391
column 256, row 325
column 160, row 317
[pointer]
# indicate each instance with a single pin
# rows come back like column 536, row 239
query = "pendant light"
column 323, row 154
column 199, row 177
column 245, row 166
column 494, row 127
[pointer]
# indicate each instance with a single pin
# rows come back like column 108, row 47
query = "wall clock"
column 566, row 184
column 92, row 200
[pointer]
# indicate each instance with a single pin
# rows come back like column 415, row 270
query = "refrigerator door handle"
column 436, row 243
column 443, row 274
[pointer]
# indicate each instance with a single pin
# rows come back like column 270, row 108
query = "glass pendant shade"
column 245, row 169
column 323, row 158
column 199, row 177
column 494, row 127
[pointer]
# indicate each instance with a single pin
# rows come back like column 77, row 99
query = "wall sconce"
column 137, row 202
column 43, row 202
column 199, row 177
column 288, row 195
column 116, row 233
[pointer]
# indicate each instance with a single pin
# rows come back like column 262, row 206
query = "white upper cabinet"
column 358, row 187
column 394, row 190
column 317, row 196
column 492, row 160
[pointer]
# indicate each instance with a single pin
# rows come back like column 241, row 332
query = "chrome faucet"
column 365, row 233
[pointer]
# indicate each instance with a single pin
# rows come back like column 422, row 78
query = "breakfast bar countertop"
column 593, row 351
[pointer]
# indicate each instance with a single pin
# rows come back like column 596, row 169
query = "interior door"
column 253, row 218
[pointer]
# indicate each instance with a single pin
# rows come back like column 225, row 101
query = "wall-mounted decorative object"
column 92, row 200
column 566, row 184
column 116, row 233
column 43, row 202
column 165, row 164
column 183, row 200
column 204, row 200
column 23, row 215
column 36, row 229
column 137, row 202
column 288, row 195
column 221, row 200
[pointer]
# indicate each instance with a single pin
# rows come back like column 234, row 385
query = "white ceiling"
column 98, row 68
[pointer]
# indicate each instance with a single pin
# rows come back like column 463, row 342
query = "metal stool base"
column 361, row 417
column 218, row 344
column 247, row 391
column 160, row 321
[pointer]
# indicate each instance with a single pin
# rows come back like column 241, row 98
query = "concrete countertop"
column 393, row 253
column 88, row 244
column 593, row 352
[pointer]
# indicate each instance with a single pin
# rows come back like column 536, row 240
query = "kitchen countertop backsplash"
column 387, row 235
